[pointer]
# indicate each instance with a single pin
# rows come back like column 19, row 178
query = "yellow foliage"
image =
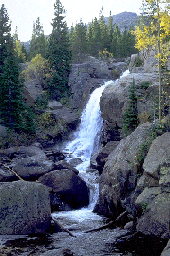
column 37, row 68
column 18, row 50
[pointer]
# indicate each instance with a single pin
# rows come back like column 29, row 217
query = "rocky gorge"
column 134, row 170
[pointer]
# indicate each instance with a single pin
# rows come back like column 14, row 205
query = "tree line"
column 50, row 57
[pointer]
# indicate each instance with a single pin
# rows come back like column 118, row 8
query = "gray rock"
column 157, row 162
column 85, row 78
column 146, row 197
column 71, row 188
column 31, row 168
column 3, row 131
column 114, row 101
column 166, row 251
column 24, row 208
column 155, row 220
column 32, row 90
column 119, row 175
column 54, row 105
column 60, row 165
column 22, row 152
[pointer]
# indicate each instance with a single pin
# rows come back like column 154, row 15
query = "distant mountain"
column 124, row 19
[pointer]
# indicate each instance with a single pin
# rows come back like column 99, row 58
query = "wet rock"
column 57, row 203
column 99, row 157
column 75, row 161
column 71, row 188
column 24, row 208
column 55, row 156
column 60, row 165
column 67, row 252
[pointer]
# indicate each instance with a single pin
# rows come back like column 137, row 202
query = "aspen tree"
column 156, row 34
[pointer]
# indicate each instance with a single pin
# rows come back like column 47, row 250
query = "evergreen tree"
column 78, row 41
column 59, row 54
column 130, row 117
column 103, row 32
column 11, row 103
column 38, row 42
column 110, row 29
column 21, row 56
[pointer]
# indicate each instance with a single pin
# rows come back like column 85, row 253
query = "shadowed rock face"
column 71, row 188
column 24, row 208
column 119, row 175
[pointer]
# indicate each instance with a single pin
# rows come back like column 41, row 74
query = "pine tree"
column 110, row 30
column 11, row 103
column 38, row 42
column 103, row 32
column 59, row 54
column 130, row 117
column 78, row 41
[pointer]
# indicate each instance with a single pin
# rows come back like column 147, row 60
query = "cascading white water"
column 85, row 138
column 85, row 141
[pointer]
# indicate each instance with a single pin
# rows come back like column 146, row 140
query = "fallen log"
column 108, row 225
column 62, row 227
column 16, row 174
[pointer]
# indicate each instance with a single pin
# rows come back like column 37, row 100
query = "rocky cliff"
column 135, row 173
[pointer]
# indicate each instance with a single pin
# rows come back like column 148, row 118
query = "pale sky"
column 22, row 13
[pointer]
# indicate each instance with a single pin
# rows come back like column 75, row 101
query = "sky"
column 23, row 13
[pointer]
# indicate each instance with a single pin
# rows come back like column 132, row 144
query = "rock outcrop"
column 120, row 172
column 155, row 187
column 86, row 77
column 114, row 102
column 24, row 208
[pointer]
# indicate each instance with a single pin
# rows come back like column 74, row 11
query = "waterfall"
column 86, row 139
column 87, row 136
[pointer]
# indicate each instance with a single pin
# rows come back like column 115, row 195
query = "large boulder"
column 156, row 218
column 29, row 162
column 154, row 187
column 24, row 208
column 32, row 90
column 56, row 124
column 71, row 188
column 157, row 164
column 31, row 168
column 119, row 175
